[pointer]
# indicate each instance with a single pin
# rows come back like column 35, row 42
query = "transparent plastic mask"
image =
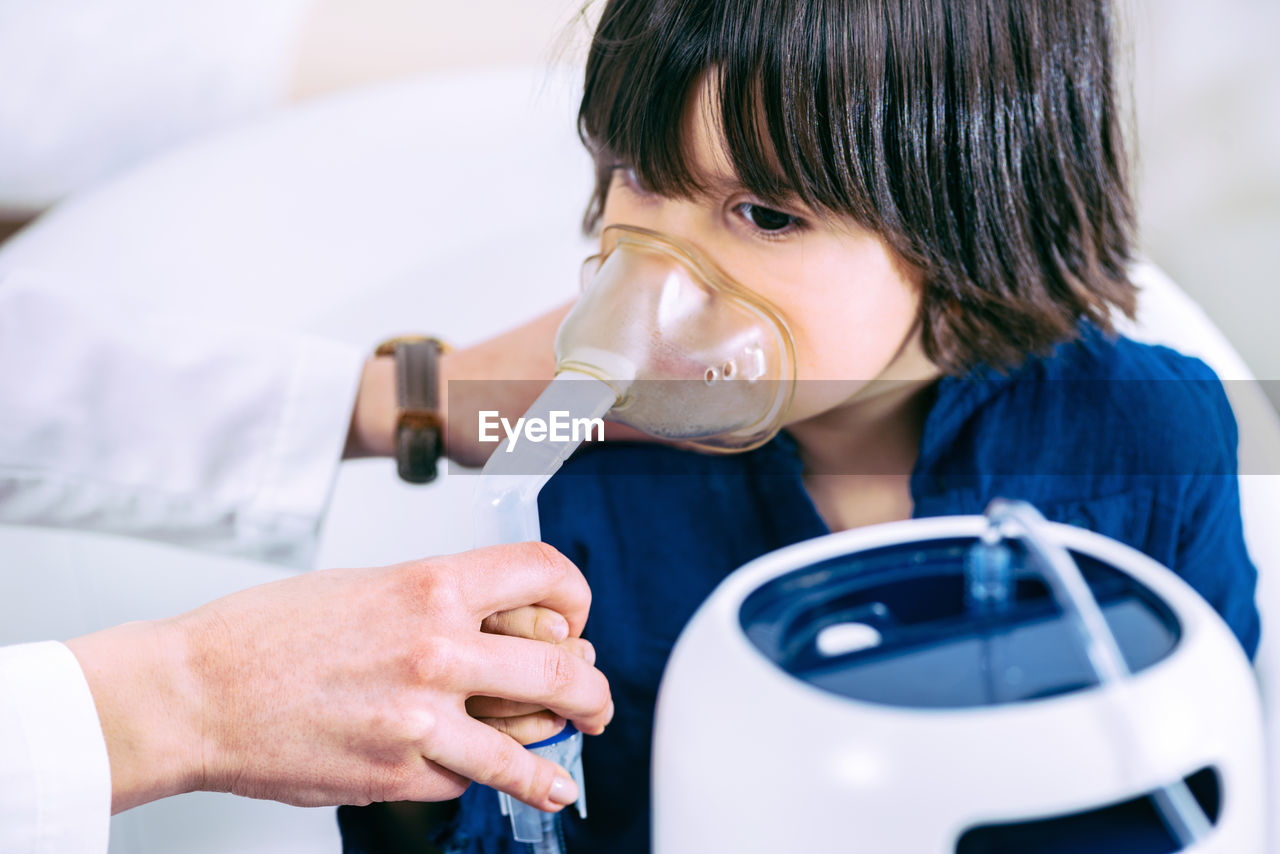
column 694, row 356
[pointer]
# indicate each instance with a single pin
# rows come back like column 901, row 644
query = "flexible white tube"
column 1174, row 802
column 506, row 502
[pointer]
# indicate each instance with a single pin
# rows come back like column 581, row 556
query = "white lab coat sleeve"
column 225, row 439
column 88, row 88
column 55, row 780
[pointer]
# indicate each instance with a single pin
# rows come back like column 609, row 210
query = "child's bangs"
column 779, row 75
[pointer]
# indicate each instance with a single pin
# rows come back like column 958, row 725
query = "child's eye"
column 766, row 219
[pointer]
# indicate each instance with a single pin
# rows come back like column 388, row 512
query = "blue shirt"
column 1132, row 441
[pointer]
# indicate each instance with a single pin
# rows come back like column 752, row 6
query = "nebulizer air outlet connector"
column 663, row 341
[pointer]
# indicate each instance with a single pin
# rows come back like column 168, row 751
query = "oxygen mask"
column 692, row 355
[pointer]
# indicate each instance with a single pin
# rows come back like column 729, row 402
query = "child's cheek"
column 852, row 313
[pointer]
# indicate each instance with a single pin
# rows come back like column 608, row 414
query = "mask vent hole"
column 712, row 375
column 727, row 370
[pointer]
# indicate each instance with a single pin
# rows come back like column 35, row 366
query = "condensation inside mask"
column 694, row 356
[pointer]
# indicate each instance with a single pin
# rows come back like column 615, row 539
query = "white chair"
column 398, row 208
column 1168, row 316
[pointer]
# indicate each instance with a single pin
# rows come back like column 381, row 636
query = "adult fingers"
column 527, row 729
column 480, row 706
column 580, row 647
column 498, row 707
column 501, row 578
column 548, row 675
column 424, row 782
column 531, row 621
column 487, row 756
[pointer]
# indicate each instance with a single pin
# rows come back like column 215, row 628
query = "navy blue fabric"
column 1133, row 441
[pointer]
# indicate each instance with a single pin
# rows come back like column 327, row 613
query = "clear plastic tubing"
column 506, row 502
column 1175, row 803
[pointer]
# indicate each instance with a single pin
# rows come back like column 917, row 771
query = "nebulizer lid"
column 694, row 356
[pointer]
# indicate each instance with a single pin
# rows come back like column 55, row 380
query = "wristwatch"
column 420, row 431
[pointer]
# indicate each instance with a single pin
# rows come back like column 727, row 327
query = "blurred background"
column 1206, row 84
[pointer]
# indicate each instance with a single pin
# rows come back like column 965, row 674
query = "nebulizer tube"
column 506, row 511
column 1178, row 808
column 664, row 341
column 507, row 495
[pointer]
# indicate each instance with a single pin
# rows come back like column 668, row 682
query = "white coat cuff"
column 55, row 781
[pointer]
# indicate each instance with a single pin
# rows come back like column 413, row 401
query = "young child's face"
column 851, row 304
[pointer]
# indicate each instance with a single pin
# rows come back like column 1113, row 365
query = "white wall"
column 1207, row 89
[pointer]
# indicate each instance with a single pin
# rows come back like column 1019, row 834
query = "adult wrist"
column 149, row 707
column 373, row 418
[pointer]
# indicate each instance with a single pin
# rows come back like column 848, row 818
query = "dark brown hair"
column 979, row 138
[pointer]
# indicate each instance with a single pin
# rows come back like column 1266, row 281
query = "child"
column 934, row 195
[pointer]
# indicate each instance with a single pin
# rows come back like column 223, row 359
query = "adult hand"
column 346, row 686
column 525, row 722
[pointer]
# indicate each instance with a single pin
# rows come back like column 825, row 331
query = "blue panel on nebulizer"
column 935, row 647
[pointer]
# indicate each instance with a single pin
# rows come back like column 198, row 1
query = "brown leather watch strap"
column 419, row 429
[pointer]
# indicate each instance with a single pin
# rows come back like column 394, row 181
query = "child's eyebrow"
column 721, row 183
column 727, row 185
column 708, row 185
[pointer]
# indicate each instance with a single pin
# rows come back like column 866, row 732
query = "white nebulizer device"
column 663, row 341
column 958, row 685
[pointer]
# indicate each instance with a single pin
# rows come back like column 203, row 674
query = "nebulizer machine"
column 957, row 685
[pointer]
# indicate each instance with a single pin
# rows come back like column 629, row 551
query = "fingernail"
column 563, row 791
column 590, row 651
column 560, row 629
